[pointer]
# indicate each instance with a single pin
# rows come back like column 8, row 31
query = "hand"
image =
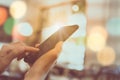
column 13, row 50
column 39, row 69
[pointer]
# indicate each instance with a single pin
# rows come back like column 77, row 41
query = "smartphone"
column 61, row 35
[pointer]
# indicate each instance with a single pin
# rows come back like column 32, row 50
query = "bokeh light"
column 8, row 26
column 96, row 42
column 100, row 30
column 113, row 26
column 25, row 29
column 75, row 8
column 3, row 15
column 16, row 36
column 21, row 31
column 18, row 9
column 96, row 39
column 106, row 56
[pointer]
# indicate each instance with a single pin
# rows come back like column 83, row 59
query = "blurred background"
column 91, row 53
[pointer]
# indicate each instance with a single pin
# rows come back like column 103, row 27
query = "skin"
column 42, row 65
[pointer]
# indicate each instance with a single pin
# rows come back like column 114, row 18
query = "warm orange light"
column 100, row 30
column 106, row 56
column 3, row 15
column 96, row 39
column 96, row 42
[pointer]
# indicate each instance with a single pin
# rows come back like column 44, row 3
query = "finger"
column 31, row 49
column 58, row 46
column 43, row 64
column 37, row 45
column 28, row 50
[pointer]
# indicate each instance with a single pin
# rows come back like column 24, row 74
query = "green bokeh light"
column 8, row 26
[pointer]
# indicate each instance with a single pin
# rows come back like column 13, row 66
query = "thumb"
column 41, row 67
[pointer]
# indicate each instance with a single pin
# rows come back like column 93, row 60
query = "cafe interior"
column 90, row 53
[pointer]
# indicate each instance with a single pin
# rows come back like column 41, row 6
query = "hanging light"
column 75, row 8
